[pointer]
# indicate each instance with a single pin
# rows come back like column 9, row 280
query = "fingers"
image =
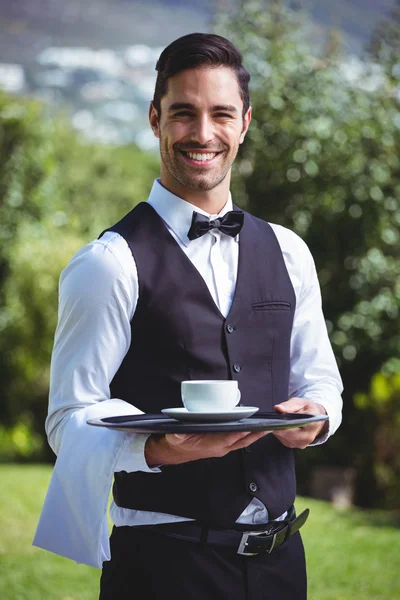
column 181, row 438
column 235, row 438
column 291, row 441
column 197, row 446
column 249, row 439
column 234, row 441
column 293, row 405
column 300, row 405
column 300, row 437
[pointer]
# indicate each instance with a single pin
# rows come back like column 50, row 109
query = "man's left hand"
column 301, row 437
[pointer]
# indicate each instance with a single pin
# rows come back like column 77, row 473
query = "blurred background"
column 321, row 157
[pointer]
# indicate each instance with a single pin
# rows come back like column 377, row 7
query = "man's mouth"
column 199, row 157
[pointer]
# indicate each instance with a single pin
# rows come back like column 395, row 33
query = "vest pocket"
column 272, row 305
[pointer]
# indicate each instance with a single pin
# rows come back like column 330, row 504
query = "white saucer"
column 233, row 414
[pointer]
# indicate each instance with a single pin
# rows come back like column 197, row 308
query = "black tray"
column 159, row 423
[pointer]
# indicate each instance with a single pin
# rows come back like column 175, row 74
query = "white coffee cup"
column 210, row 395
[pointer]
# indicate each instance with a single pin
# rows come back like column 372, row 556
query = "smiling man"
column 200, row 120
column 187, row 286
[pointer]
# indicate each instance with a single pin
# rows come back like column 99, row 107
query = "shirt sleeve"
column 98, row 294
column 314, row 374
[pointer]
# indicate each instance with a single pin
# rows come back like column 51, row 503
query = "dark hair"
column 197, row 50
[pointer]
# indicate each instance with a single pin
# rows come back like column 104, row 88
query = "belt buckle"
column 244, row 541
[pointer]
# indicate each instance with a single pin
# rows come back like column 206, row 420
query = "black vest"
column 178, row 333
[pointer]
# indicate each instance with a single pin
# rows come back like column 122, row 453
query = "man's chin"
column 201, row 183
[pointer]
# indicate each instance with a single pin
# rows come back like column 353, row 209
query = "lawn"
column 352, row 555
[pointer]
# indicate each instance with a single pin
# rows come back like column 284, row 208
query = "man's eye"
column 183, row 113
column 223, row 115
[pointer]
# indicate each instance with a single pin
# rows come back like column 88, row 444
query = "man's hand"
column 174, row 449
column 301, row 437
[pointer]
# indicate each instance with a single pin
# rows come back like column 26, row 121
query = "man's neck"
column 211, row 201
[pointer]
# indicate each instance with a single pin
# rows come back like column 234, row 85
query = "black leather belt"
column 249, row 541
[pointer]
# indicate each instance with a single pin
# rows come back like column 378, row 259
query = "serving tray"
column 159, row 423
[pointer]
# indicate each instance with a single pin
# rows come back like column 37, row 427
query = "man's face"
column 200, row 128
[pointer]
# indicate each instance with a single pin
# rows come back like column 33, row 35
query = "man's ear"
column 154, row 120
column 246, row 123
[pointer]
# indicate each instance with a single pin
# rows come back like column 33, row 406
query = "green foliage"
column 20, row 442
column 383, row 400
column 385, row 44
column 56, row 194
column 322, row 158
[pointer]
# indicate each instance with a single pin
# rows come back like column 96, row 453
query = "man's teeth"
column 198, row 156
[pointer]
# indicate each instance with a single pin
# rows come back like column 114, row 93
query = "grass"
column 351, row 555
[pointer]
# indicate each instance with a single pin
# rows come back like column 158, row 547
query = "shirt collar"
column 176, row 212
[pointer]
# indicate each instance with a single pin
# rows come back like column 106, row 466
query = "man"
column 186, row 286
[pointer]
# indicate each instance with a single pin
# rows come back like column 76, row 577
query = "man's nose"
column 203, row 131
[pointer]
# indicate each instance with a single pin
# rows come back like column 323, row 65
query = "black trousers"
column 146, row 565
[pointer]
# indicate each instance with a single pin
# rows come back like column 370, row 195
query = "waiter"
column 187, row 286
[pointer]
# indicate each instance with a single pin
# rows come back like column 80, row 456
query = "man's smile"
column 199, row 158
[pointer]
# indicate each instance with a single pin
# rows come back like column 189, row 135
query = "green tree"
column 383, row 400
column 384, row 47
column 56, row 194
column 322, row 158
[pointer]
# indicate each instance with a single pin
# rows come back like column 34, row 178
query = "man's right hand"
column 174, row 449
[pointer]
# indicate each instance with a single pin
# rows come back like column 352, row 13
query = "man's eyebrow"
column 180, row 105
column 189, row 106
column 225, row 108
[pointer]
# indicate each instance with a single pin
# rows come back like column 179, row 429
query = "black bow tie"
column 230, row 224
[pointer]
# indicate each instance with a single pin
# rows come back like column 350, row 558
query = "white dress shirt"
column 98, row 294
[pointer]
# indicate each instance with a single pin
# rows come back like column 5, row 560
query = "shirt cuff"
column 333, row 410
column 132, row 457
column 321, row 439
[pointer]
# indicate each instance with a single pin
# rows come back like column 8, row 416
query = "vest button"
column 237, row 368
column 230, row 328
column 253, row 487
column 248, row 449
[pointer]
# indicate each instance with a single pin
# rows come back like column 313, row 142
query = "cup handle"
column 239, row 395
